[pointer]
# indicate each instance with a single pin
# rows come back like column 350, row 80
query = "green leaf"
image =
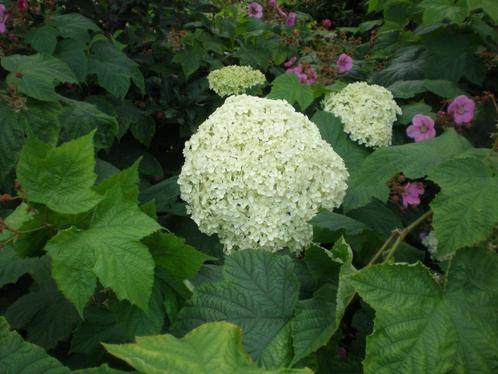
column 443, row 88
column 72, row 52
column 436, row 11
column 190, row 58
column 80, row 118
column 113, row 68
column 334, row 222
column 288, row 87
column 44, row 313
column 110, row 250
column 73, row 25
column 408, row 64
column 414, row 160
column 102, row 369
column 489, row 6
column 20, row 357
column 411, row 110
column 42, row 119
column 258, row 293
column 61, row 177
column 466, row 209
column 165, row 194
column 37, row 75
column 43, row 39
column 126, row 180
column 12, row 267
column 175, row 256
column 318, row 318
column 219, row 342
column 331, row 129
column 409, row 89
column 11, row 138
column 422, row 326
column 406, row 89
column 143, row 129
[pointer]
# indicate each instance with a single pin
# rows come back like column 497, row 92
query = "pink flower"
column 272, row 3
column 422, row 128
column 22, row 5
column 255, row 10
column 344, row 63
column 411, row 193
column 462, row 109
column 3, row 19
column 327, row 23
column 291, row 19
column 305, row 74
column 290, row 62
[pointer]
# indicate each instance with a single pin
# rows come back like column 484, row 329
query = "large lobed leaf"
column 466, row 209
column 258, row 293
column 20, row 357
column 288, row 87
column 214, row 347
column 424, row 327
column 61, row 177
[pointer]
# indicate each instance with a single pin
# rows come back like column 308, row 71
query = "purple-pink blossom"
column 3, row 19
column 291, row 19
column 22, row 5
column 290, row 62
column 410, row 193
column 422, row 128
column 255, row 10
column 462, row 109
column 344, row 63
column 305, row 73
column 327, row 23
column 272, row 3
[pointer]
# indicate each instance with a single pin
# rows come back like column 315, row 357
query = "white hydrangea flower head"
column 256, row 171
column 367, row 111
column 234, row 80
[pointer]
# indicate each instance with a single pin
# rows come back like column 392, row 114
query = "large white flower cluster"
column 234, row 80
column 367, row 111
column 256, row 172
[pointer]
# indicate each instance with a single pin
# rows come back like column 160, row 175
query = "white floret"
column 256, row 172
column 367, row 112
column 234, row 80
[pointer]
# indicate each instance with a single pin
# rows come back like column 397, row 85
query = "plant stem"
column 374, row 259
column 402, row 234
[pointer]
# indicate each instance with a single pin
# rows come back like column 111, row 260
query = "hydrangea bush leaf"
column 288, row 87
column 18, row 356
column 61, row 177
column 219, row 342
column 422, row 325
column 466, row 209
column 318, row 318
column 259, row 292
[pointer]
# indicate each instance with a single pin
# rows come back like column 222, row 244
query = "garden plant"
column 249, row 186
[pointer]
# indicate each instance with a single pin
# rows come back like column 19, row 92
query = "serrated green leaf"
column 126, row 180
column 73, row 25
column 20, row 357
column 103, row 369
column 61, row 177
column 466, row 209
column 438, row 10
column 318, row 318
column 414, row 160
column 80, row 118
column 258, row 293
column 421, row 326
column 288, row 87
column 336, row 222
column 143, row 129
column 219, row 342
column 43, row 39
column 42, row 120
column 110, row 250
column 190, row 58
column 37, row 75
column 164, row 193
column 113, row 68
column 175, row 256
column 489, row 6
column 11, row 138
